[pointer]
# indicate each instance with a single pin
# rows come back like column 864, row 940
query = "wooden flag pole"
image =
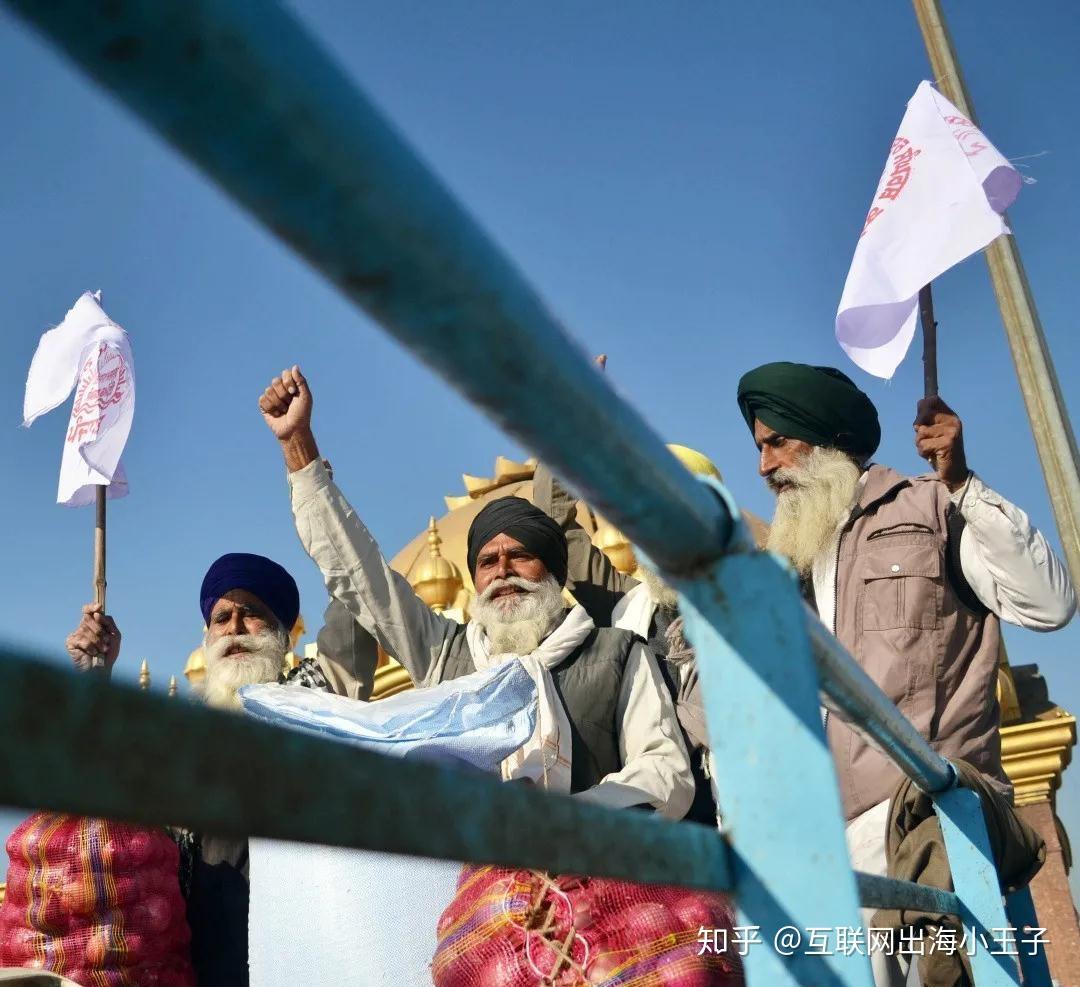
column 99, row 560
column 929, row 334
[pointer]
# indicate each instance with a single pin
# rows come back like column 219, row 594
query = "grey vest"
column 588, row 682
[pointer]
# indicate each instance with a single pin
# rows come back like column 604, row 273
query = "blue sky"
column 684, row 183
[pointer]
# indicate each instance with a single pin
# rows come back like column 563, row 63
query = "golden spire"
column 438, row 581
column 144, row 675
column 172, row 686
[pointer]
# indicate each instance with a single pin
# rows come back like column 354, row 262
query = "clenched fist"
column 286, row 408
column 939, row 438
column 97, row 636
column 286, row 404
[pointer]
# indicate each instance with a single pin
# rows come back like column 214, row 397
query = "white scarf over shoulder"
column 545, row 757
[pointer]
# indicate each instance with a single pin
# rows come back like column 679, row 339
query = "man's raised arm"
column 355, row 572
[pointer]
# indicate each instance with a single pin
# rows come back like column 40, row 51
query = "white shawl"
column 545, row 757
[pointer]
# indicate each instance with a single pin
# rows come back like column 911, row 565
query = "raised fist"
column 97, row 636
column 286, row 405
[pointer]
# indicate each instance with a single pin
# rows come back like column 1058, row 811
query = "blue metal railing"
column 243, row 91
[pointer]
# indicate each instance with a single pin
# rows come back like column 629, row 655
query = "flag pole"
column 98, row 661
column 1054, row 438
column 929, row 334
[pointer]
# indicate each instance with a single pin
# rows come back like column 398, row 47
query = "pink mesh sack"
column 96, row 901
column 524, row 928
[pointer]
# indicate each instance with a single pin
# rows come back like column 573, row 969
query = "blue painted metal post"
column 1033, row 962
column 976, row 882
column 778, row 793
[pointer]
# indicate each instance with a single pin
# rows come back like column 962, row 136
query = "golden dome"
column 437, row 581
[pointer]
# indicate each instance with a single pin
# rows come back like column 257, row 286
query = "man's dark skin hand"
column 97, row 636
column 939, row 439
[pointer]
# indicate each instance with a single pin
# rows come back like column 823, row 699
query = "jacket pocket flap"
column 902, row 560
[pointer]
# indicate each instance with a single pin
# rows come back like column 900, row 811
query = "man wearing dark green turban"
column 817, row 405
column 911, row 573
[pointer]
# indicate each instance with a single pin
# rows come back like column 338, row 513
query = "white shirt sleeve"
column 1008, row 563
column 656, row 768
column 355, row 572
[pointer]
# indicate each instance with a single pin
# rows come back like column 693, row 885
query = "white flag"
column 939, row 200
column 90, row 353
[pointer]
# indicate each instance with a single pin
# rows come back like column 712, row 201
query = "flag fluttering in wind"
column 939, row 200
column 91, row 354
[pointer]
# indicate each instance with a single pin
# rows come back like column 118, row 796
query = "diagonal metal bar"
column 243, row 90
column 887, row 892
column 860, row 702
column 149, row 759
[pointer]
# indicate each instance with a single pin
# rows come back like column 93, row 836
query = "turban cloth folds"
column 819, row 405
column 260, row 576
column 525, row 523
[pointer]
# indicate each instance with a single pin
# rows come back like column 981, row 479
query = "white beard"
column 264, row 662
column 516, row 625
column 659, row 592
column 809, row 512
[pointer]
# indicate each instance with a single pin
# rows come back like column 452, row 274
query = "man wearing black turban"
column 525, row 524
column 625, row 747
column 910, row 573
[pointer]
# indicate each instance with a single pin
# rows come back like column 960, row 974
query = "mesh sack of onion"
column 96, row 901
column 522, row 928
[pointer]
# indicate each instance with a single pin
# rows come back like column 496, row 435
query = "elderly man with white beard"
column 912, row 574
column 625, row 748
column 249, row 604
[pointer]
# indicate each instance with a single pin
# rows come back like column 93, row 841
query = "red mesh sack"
column 96, row 901
column 524, row 928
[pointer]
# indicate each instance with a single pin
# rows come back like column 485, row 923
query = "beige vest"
column 899, row 615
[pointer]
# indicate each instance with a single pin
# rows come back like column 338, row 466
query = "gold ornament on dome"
column 144, row 675
column 437, row 581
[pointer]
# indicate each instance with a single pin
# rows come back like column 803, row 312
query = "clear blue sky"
column 684, row 182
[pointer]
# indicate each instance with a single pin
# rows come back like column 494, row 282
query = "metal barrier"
column 244, row 92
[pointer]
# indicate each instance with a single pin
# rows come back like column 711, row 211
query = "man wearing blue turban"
column 250, row 605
